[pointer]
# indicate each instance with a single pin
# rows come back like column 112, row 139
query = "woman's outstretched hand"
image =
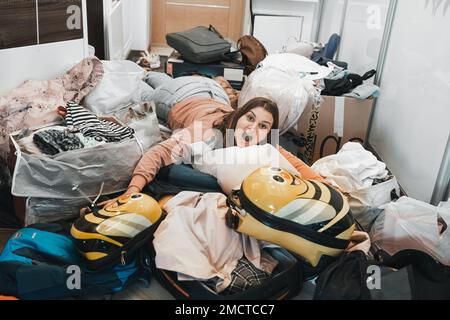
column 130, row 190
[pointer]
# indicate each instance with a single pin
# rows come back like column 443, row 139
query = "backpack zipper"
column 122, row 257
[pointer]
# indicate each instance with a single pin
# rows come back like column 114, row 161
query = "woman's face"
column 253, row 127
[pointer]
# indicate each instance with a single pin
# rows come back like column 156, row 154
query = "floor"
column 140, row 291
column 155, row 291
column 162, row 51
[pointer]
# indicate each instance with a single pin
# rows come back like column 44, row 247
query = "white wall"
column 411, row 123
column 140, row 21
column 41, row 62
column 118, row 45
column 246, row 27
column 276, row 22
column 332, row 16
column 362, row 30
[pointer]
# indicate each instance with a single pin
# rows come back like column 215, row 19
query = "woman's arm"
column 305, row 171
column 160, row 155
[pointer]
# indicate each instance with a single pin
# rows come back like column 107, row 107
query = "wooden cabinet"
column 31, row 22
column 179, row 15
column 59, row 20
column 17, row 23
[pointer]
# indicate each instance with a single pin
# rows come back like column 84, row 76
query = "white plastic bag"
column 288, row 91
column 121, row 85
column 412, row 224
column 365, row 203
column 296, row 65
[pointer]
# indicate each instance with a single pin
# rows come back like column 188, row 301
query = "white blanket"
column 352, row 169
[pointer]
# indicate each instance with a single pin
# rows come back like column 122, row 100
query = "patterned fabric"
column 245, row 276
column 89, row 125
column 55, row 141
column 34, row 102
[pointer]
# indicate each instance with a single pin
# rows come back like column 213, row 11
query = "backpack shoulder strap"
column 425, row 264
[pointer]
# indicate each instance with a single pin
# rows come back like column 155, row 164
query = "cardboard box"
column 233, row 72
column 337, row 121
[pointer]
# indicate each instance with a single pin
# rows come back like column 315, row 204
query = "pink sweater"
column 186, row 117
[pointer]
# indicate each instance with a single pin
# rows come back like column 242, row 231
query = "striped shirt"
column 89, row 125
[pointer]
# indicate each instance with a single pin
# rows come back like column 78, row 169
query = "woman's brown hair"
column 230, row 121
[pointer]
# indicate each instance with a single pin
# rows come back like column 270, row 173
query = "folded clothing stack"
column 55, row 141
column 83, row 130
column 352, row 169
column 80, row 119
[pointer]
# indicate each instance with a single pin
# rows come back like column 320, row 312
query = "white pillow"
column 232, row 165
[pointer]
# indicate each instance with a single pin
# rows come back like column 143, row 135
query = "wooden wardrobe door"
column 60, row 20
column 179, row 15
column 17, row 23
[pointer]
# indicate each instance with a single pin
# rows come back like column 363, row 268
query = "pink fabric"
column 195, row 241
column 34, row 102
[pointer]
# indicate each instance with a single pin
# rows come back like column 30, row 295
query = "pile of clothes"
column 365, row 180
column 35, row 102
column 83, row 129
column 194, row 241
column 353, row 168
column 341, row 82
column 65, row 147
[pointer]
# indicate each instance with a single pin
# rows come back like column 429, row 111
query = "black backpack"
column 409, row 274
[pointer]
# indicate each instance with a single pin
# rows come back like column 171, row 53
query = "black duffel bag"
column 200, row 44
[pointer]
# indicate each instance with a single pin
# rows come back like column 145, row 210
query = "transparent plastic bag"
column 39, row 210
column 142, row 118
column 120, row 86
column 365, row 203
column 81, row 173
column 70, row 174
column 412, row 224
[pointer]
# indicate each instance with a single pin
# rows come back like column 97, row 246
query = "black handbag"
column 345, row 85
column 200, row 44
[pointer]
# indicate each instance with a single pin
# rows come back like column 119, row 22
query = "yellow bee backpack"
column 308, row 218
column 116, row 232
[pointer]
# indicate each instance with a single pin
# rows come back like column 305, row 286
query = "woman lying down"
column 229, row 144
column 197, row 110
